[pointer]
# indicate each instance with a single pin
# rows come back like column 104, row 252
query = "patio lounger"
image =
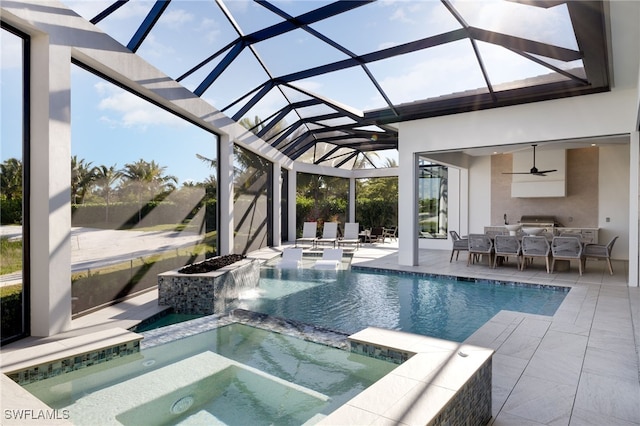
column 309, row 235
column 329, row 233
column 291, row 258
column 351, row 234
column 331, row 259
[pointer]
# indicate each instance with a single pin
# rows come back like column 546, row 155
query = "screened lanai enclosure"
column 192, row 129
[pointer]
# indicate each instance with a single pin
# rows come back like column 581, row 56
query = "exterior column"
column 408, row 213
column 50, row 195
column 352, row 200
column 226, row 223
column 276, row 190
column 291, row 197
column 634, row 209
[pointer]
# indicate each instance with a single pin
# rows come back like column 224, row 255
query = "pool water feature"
column 234, row 374
column 351, row 300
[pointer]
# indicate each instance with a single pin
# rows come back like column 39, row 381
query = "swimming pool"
column 350, row 300
column 235, row 374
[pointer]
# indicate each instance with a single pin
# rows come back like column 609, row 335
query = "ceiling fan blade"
column 534, row 170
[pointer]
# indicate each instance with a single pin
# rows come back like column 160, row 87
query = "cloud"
column 176, row 19
column 122, row 109
column 210, row 28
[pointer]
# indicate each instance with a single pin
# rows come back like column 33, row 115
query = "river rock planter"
column 206, row 293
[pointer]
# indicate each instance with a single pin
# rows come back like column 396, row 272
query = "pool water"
column 162, row 320
column 350, row 300
column 235, row 375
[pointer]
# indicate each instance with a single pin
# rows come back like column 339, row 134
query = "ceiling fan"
column 534, row 170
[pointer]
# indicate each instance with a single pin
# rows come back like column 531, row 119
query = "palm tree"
column 11, row 179
column 106, row 177
column 148, row 176
column 82, row 178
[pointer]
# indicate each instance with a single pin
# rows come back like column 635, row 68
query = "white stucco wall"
column 613, row 202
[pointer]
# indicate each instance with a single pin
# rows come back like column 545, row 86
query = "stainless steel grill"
column 541, row 221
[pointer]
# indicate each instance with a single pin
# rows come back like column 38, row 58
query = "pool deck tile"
column 578, row 367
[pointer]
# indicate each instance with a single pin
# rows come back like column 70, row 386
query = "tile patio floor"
column 579, row 367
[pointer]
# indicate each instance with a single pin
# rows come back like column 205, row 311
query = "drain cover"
column 182, row 405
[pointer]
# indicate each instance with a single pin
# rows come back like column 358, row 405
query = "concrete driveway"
column 92, row 248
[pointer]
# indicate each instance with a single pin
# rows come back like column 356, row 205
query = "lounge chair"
column 329, row 234
column 351, row 234
column 291, row 258
column 309, row 233
column 331, row 259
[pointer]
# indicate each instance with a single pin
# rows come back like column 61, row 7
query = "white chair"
column 351, row 234
column 291, row 258
column 309, row 233
column 329, row 234
column 331, row 259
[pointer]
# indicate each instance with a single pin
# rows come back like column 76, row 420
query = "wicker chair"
column 480, row 244
column 600, row 251
column 535, row 246
column 459, row 244
column 567, row 248
column 505, row 246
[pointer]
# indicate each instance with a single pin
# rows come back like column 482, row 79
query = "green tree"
column 11, row 179
column 82, row 179
column 147, row 179
column 105, row 180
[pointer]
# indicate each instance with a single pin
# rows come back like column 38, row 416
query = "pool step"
column 187, row 390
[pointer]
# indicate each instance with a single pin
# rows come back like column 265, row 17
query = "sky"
column 112, row 127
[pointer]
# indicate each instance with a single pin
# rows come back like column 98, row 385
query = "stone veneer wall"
column 76, row 362
column 576, row 209
column 210, row 292
column 471, row 405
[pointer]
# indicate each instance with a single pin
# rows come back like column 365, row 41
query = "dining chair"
column 459, row 244
column 505, row 246
column 600, row 251
column 567, row 248
column 391, row 233
column 480, row 244
column 535, row 246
